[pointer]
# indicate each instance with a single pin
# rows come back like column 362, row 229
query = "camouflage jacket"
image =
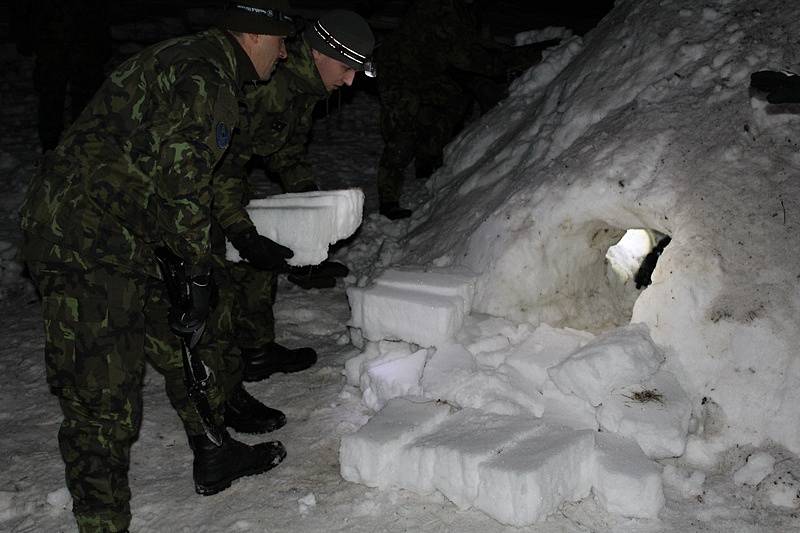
column 135, row 170
column 435, row 38
column 276, row 122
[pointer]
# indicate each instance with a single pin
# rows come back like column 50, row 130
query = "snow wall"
column 646, row 123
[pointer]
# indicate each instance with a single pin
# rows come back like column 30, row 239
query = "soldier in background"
column 72, row 43
column 134, row 174
column 433, row 68
column 277, row 124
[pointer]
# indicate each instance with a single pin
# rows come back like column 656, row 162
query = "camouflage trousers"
column 252, row 294
column 414, row 128
column 101, row 325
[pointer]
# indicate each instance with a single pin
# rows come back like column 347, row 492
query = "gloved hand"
column 261, row 252
column 189, row 313
column 780, row 87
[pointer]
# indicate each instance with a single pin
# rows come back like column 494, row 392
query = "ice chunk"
column 370, row 455
column 524, row 483
column 389, row 313
column 447, row 459
column 655, row 414
column 392, row 377
column 306, row 222
column 625, row 356
column 626, row 482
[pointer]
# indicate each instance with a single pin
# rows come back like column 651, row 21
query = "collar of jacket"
column 245, row 70
column 301, row 64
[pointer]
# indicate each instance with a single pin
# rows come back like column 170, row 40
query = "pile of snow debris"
column 511, row 368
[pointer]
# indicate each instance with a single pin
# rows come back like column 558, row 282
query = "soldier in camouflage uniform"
column 276, row 125
column 423, row 103
column 134, row 173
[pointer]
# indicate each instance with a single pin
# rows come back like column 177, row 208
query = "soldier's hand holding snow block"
column 369, row 455
column 654, row 413
column 626, row 482
column 526, row 482
column 306, row 222
column 622, row 357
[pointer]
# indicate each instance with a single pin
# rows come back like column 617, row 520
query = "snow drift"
column 649, row 123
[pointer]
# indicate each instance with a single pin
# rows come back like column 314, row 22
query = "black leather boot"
column 272, row 358
column 216, row 467
column 245, row 414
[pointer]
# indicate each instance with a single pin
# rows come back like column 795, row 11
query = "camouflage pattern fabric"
column 276, row 122
column 423, row 105
column 132, row 173
column 135, row 170
column 100, row 327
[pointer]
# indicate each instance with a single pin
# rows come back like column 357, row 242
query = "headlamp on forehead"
column 351, row 57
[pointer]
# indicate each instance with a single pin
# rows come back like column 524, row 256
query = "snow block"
column 306, row 222
column 626, row 481
column 369, row 456
column 448, row 368
column 420, row 317
column 524, row 483
column 448, row 458
column 655, row 414
column 624, row 356
column 443, row 284
column 544, row 348
column 392, row 377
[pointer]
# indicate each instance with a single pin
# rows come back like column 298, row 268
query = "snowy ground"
column 307, row 492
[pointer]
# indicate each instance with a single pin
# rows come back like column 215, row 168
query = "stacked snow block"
column 516, row 469
column 423, row 308
column 620, row 373
column 306, row 222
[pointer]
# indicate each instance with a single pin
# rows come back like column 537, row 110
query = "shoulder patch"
column 223, row 135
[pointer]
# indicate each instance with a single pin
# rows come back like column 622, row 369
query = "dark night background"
column 505, row 17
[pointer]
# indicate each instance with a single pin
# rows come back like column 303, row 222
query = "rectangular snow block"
column 370, row 455
column 442, row 284
column 306, row 222
column 654, row 413
column 626, row 481
column 417, row 317
column 527, row 482
column 544, row 348
column 449, row 367
column 624, row 356
column 448, row 458
column 392, row 377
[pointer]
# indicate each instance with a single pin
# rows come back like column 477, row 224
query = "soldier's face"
column 267, row 51
column 333, row 72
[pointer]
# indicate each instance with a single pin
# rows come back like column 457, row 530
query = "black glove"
column 780, row 88
column 262, row 252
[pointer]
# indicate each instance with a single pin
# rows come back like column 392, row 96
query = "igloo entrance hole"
column 634, row 257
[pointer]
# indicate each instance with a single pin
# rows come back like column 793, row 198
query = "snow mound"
column 646, row 123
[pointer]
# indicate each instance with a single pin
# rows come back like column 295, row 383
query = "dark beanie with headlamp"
column 264, row 17
column 345, row 36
